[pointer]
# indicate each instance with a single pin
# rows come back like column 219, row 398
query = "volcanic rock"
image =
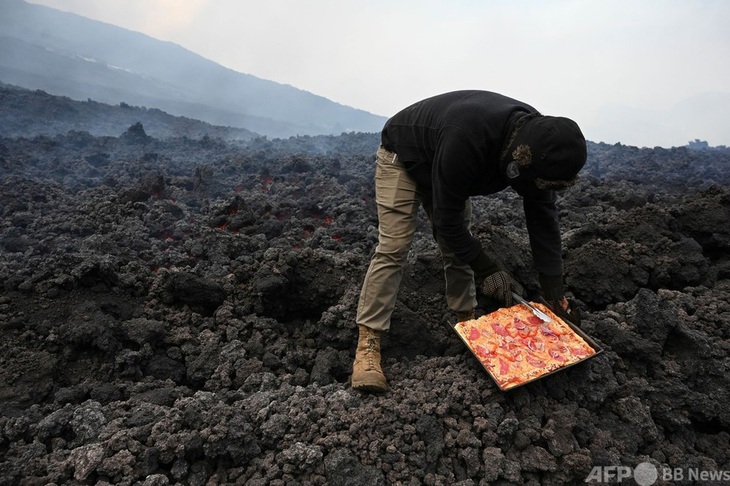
column 181, row 311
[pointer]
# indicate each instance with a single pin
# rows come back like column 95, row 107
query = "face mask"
column 546, row 184
column 513, row 172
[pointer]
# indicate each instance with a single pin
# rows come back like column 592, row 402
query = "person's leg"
column 460, row 288
column 397, row 204
column 395, row 195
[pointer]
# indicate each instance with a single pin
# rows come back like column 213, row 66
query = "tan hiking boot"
column 465, row 316
column 366, row 372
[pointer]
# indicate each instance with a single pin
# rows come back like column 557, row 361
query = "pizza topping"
column 503, row 366
column 555, row 355
column 530, row 343
column 537, row 363
column 482, row 351
column 499, row 329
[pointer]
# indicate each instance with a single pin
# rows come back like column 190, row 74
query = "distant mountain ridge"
column 69, row 55
column 30, row 113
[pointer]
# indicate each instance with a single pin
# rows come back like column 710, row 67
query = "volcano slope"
column 182, row 312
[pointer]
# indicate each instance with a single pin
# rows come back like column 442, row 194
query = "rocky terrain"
column 30, row 113
column 181, row 311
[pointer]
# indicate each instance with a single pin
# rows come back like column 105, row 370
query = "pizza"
column 515, row 346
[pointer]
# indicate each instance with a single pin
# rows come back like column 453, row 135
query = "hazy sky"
column 646, row 73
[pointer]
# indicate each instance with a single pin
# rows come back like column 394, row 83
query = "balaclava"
column 549, row 149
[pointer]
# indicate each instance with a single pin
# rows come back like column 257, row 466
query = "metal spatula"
column 535, row 310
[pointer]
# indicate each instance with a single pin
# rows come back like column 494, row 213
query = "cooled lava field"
column 181, row 311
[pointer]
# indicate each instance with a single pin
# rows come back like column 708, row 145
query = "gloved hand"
column 498, row 283
column 552, row 292
column 500, row 286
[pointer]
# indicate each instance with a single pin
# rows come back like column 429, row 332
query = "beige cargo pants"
column 398, row 199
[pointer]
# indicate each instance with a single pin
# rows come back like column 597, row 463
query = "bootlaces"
column 371, row 351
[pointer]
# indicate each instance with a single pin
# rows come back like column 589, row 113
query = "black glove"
column 498, row 283
column 500, row 286
column 553, row 293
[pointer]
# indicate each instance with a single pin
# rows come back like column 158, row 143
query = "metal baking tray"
column 484, row 321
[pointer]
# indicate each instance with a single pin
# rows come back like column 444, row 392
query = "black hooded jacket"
column 452, row 146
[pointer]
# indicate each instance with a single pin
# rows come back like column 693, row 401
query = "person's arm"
column 543, row 227
column 455, row 166
column 458, row 165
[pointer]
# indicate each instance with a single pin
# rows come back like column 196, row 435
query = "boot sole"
column 368, row 386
